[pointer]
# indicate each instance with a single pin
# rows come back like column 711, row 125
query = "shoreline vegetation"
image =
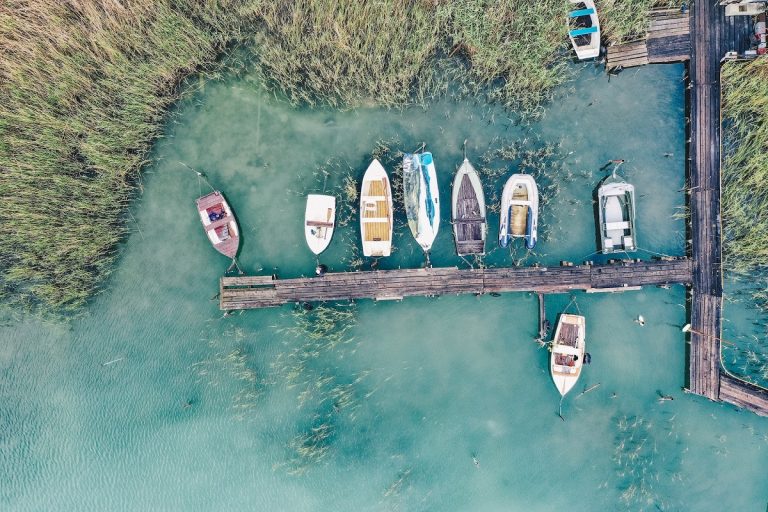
column 745, row 165
column 744, row 201
column 85, row 85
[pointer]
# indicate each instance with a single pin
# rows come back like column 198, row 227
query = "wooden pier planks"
column 743, row 394
column 263, row 291
column 668, row 40
column 707, row 296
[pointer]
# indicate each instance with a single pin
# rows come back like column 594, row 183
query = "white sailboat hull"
column 376, row 211
column 319, row 221
column 423, row 217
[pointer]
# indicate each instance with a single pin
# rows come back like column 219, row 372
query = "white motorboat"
column 616, row 216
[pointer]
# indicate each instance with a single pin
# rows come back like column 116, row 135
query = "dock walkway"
column 264, row 291
column 713, row 35
column 669, row 38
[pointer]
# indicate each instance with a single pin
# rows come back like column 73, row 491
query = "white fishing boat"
column 422, row 198
column 584, row 29
column 567, row 357
column 468, row 211
column 616, row 216
column 519, row 210
column 319, row 221
column 376, row 211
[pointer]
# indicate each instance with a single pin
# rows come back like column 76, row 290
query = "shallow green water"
column 94, row 414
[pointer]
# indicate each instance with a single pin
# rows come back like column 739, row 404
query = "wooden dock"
column 264, row 291
column 713, row 35
column 668, row 40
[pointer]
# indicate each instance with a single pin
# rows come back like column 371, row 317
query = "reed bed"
column 84, row 87
column 745, row 165
column 744, row 201
column 623, row 21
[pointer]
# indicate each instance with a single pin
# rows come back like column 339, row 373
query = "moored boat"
column 567, row 357
column 616, row 217
column 376, row 211
column 519, row 210
column 468, row 211
column 422, row 198
column 584, row 29
column 319, row 221
column 219, row 223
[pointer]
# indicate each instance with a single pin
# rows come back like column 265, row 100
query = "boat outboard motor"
column 587, row 358
column 321, row 269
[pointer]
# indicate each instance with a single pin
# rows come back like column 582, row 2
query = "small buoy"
column 321, row 269
column 640, row 320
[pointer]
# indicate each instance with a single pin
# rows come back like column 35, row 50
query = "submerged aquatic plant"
column 638, row 460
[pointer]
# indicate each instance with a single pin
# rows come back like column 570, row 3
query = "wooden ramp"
column 263, row 291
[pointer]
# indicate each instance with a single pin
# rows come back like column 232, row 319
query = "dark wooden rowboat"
column 219, row 223
column 468, row 211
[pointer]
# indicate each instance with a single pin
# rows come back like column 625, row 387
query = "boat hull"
column 616, row 217
column 319, row 221
column 584, row 30
column 376, row 211
column 567, row 352
column 468, row 211
column 421, row 197
column 519, row 211
column 219, row 223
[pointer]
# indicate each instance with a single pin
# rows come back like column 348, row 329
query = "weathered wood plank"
column 237, row 294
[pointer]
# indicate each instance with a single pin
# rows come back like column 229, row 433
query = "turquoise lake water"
column 155, row 401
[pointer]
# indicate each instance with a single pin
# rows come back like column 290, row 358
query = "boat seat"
column 628, row 242
column 608, row 243
column 612, row 226
column 375, row 219
column 319, row 224
column 581, row 12
column 583, row 31
column 516, row 202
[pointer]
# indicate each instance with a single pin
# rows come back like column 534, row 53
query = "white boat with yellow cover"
column 519, row 211
column 319, row 221
column 567, row 357
column 376, row 211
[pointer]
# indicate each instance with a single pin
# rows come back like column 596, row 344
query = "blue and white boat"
column 519, row 210
column 584, row 29
column 421, row 197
